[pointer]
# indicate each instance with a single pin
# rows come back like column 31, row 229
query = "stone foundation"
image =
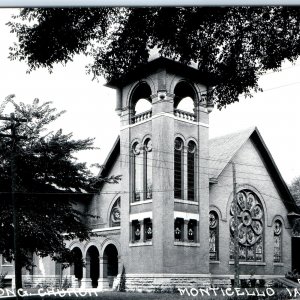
column 167, row 282
column 54, row 281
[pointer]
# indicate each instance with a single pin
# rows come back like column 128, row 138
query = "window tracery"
column 250, row 225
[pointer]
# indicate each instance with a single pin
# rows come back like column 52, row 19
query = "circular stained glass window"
column 250, row 225
column 178, row 145
column 148, row 145
column 136, row 148
column 191, row 147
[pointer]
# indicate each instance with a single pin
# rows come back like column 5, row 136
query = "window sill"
column 187, row 244
column 214, row 261
column 186, row 202
column 253, row 263
column 140, row 244
column 278, row 264
column 7, row 265
column 141, row 202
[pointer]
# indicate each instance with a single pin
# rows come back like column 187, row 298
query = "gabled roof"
column 221, row 151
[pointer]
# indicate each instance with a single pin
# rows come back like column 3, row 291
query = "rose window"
column 250, row 226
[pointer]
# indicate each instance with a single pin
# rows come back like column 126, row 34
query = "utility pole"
column 14, row 123
column 236, row 234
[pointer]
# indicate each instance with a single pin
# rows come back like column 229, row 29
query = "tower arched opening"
column 185, row 97
column 140, row 102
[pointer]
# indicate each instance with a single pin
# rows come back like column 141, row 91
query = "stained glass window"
column 250, row 226
column 136, row 230
column 148, row 229
column 191, row 170
column 213, row 235
column 178, row 229
column 138, row 172
column 178, row 168
column 192, row 230
column 277, row 241
column 148, row 169
column 115, row 214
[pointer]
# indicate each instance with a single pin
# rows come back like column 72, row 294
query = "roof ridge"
column 248, row 129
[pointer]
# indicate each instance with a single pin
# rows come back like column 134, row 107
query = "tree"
column 235, row 45
column 295, row 189
column 50, row 184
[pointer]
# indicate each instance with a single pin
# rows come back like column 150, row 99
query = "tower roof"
column 143, row 70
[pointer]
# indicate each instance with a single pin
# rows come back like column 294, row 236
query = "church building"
column 170, row 220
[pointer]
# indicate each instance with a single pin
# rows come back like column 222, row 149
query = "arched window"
column 213, row 236
column 250, row 226
column 137, row 172
column 148, row 158
column 115, row 214
column 191, row 171
column 277, row 241
column 140, row 102
column 178, row 168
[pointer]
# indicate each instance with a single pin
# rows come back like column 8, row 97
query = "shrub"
column 66, row 284
column 294, row 275
column 122, row 284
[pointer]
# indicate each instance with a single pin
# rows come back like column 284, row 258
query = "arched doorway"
column 77, row 267
column 110, row 261
column 92, row 265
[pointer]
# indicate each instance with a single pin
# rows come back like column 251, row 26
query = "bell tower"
column 165, row 184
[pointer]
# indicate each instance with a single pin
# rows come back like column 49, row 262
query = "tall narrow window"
column 178, row 169
column 191, row 170
column 138, row 172
column 277, row 241
column 148, row 169
column 213, row 236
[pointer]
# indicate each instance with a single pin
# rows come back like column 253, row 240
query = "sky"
column 91, row 112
